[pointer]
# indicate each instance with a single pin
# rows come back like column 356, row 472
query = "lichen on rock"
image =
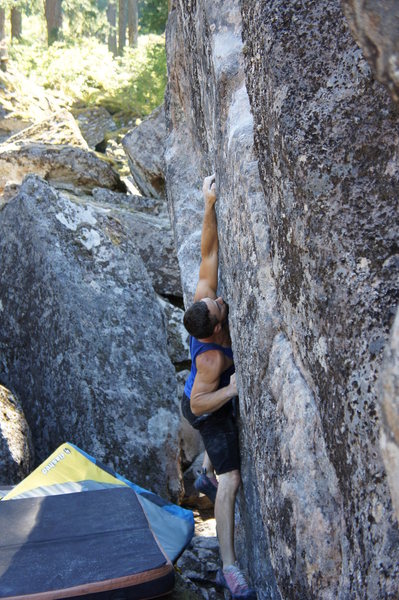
column 82, row 337
column 278, row 100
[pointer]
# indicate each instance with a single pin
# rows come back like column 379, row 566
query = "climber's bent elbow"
column 196, row 408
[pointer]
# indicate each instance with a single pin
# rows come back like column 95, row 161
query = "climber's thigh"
column 220, row 438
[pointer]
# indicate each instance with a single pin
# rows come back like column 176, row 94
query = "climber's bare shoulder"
column 212, row 363
column 204, row 290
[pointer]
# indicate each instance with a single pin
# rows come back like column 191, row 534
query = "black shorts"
column 219, row 433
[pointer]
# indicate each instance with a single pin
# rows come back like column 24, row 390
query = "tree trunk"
column 2, row 24
column 133, row 22
column 53, row 12
column 122, row 21
column 111, row 16
column 16, row 24
column 3, row 41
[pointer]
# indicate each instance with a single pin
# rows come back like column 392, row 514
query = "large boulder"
column 153, row 239
column 95, row 123
column 307, row 219
column 16, row 450
column 144, row 146
column 375, row 26
column 82, row 340
column 23, row 103
column 58, row 128
column 64, row 166
column 149, row 227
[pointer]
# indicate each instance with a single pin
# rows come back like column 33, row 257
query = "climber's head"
column 206, row 317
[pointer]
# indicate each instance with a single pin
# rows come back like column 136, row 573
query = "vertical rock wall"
column 307, row 221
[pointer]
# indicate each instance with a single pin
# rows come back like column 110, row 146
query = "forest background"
column 90, row 52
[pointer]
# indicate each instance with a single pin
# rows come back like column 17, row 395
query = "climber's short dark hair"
column 198, row 320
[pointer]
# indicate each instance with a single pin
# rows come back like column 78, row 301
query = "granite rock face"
column 149, row 226
column 154, row 206
column 277, row 99
column 16, row 450
column 82, row 340
column 375, row 26
column 144, row 146
column 153, row 239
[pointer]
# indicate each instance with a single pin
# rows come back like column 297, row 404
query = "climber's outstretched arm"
column 208, row 273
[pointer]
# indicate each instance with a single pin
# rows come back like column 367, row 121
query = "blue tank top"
column 196, row 348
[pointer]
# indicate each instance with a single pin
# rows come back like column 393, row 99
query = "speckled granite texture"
column 277, row 98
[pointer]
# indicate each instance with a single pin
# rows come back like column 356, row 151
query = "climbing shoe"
column 233, row 580
column 206, row 485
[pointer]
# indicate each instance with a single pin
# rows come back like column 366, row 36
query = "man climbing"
column 208, row 396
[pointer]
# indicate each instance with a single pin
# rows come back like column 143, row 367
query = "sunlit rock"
column 58, row 128
column 23, row 103
column 94, row 123
column 65, row 167
column 54, row 149
column 144, row 146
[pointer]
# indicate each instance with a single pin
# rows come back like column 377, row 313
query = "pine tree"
column 111, row 17
column 2, row 24
column 16, row 23
column 53, row 12
column 122, row 22
column 133, row 21
column 3, row 41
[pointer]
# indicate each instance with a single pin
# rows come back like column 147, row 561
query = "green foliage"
column 147, row 80
column 153, row 15
column 87, row 73
column 85, row 18
column 23, row 5
column 33, row 7
column 81, row 68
